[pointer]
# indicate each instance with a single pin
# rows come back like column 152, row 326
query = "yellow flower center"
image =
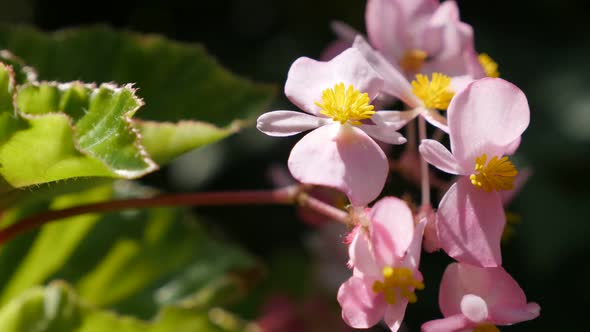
column 346, row 104
column 498, row 174
column 413, row 60
column 489, row 65
column 398, row 281
column 486, row 328
column 434, row 94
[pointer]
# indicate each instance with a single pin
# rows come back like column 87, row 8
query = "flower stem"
column 282, row 196
column 411, row 135
column 424, row 165
column 324, row 208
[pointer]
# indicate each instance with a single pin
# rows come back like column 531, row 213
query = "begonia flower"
column 422, row 36
column 477, row 299
column 385, row 254
column 415, row 40
column 486, row 120
column 425, row 96
column 339, row 152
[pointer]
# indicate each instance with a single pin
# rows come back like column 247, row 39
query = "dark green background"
column 542, row 46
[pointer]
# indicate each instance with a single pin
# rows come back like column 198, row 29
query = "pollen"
column 346, row 104
column 486, row 328
column 497, row 174
column 413, row 60
column 489, row 65
column 398, row 282
column 434, row 94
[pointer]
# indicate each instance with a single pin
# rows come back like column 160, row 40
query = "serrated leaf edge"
column 152, row 166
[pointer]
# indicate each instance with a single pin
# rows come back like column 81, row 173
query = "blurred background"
column 542, row 46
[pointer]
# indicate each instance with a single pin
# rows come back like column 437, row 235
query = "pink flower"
column 422, row 36
column 477, row 299
column 339, row 152
column 423, row 95
column 486, row 120
column 385, row 254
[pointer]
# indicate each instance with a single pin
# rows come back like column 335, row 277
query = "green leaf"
column 49, row 310
column 165, row 141
column 58, row 239
column 135, row 261
column 178, row 81
column 71, row 130
column 101, row 118
column 56, row 308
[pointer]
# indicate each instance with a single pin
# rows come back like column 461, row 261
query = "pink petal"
column 438, row 156
column 435, row 119
column 287, row 123
column 384, row 133
column 486, row 117
column 416, row 8
column 459, row 280
column 508, row 315
column 448, row 41
column 394, row 315
column 361, row 307
column 386, row 123
column 459, row 83
column 474, row 67
column 428, row 216
column 474, row 308
column 385, row 28
column 344, row 31
column 395, row 83
column 361, row 256
column 505, row 291
column 392, row 230
column 511, row 149
column 470, row 224
column 453, row 323
column 394, row 119
column 494, row 285
column 412, row 258
column 308, row 78
column 333, row 49
column 342, row 157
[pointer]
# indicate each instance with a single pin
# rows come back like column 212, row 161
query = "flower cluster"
column 420, row 53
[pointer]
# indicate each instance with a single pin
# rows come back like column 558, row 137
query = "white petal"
column 287, row 123
column 438, row 156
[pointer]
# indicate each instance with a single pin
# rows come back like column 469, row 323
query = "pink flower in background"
column 486, row 120
column 339, row 152
column 477, row 299
column 385, row 254
column 280, row 313
column 422, row 36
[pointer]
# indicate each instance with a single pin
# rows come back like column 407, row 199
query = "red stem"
column 285, row 196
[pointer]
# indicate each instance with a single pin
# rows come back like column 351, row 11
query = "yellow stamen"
column 489, row 65
column 435, row 93
column 486, row 328
column 346, row 104
column 398, row 281
column 498, row 174
column 413, row 60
